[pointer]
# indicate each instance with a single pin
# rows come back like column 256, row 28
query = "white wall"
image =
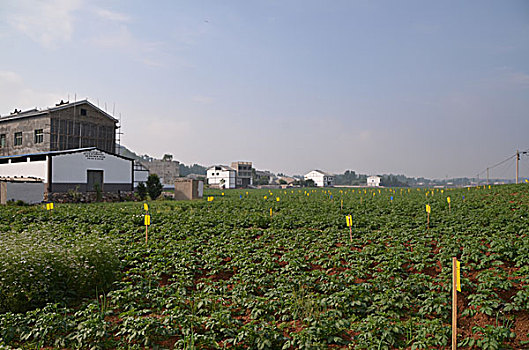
column 316, row 177
column 373, row 181
column 215, row 177
column 36, row 169
column 72, row 167
column 140, row 176
column 201, row 189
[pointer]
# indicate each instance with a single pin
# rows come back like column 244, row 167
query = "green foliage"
column 99, row 194
column 141, row 191
column 226, row 273
column 154, row 186
column 40, row 267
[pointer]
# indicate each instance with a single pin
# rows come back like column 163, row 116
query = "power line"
column 514, row 156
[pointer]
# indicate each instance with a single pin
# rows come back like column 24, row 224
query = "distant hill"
column 125, row 152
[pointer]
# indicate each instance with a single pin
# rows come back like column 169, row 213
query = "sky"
column 435, row 89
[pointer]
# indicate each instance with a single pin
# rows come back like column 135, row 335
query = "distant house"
column 320, row 178
column 243, row 176
column 167, row 169
column 221, row 176
column 286, row 180
column 373, row 181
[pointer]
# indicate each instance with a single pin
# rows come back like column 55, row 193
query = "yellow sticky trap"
column 458, row 276
column 349, row 220
column 448, row 200
column 210, row 198
column 264, row 197
column 145, row 207
column 147, row 220
column 277, row 199
column 223, row 193
column 49, row 206
column 270, row 212
column 428, row 208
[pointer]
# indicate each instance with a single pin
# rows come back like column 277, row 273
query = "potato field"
column 269, row 269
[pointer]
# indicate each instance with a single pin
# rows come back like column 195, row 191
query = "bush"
column 141, row 191
column 154, row 186
column 37, row 268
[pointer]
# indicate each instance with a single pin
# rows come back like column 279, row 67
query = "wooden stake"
column 146, row 233
column 428, row 221
column 454, row 304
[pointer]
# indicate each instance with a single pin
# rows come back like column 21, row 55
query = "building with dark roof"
column 63, row 127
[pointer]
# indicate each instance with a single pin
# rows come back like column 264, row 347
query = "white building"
column 320, row 178
column 141, row 174
column 79, row 170
column 373, row 181
column 221, row 176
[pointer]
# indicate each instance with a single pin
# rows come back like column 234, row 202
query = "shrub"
column 141, row 191
column 37, row 268
column 154, row 186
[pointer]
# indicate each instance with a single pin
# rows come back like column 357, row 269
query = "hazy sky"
column 424, row 88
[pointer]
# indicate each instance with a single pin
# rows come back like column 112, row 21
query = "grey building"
column 167, row 169
column 243, row 174
column 66, row 126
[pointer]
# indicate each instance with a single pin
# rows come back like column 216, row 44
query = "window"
column 83, row 111
column 18, row 138
column 3, row 141
column 39, row 136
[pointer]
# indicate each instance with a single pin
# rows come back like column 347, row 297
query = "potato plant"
column 231, row 273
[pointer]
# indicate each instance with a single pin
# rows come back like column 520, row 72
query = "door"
column 95, row 177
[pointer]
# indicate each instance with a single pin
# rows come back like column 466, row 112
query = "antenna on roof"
column 119, row 135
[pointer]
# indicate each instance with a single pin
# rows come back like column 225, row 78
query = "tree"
column 142, row 191
column 154, row 186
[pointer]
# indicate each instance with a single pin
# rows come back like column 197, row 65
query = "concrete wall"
column 27, row 126
column 28, row 192
column 186, row 189
column 167, row 171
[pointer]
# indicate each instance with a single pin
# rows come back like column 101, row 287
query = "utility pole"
column 487, row 176
column 517, row 161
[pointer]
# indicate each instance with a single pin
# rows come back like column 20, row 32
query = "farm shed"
column 186, row 189
column 79, row 170
column 28, row 190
